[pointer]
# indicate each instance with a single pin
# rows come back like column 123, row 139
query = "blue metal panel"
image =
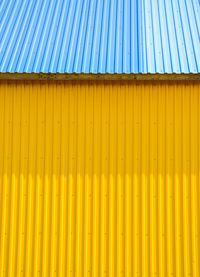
column 171, row 36
column 100, row 36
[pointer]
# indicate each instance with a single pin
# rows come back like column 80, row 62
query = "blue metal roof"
column 100, row 36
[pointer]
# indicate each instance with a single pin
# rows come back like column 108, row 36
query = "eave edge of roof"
column 98, row 76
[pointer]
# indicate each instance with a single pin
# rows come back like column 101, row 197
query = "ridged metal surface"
column 170, row 36
column 99, row 179
column 113, row 36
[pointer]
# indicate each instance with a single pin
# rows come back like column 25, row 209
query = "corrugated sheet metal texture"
column 113, row 36
column 100, row 179
column 170, row 36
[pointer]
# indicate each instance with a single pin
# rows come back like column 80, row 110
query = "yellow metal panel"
column 99, row 178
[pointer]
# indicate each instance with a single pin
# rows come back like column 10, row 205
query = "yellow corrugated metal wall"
column 99, row 178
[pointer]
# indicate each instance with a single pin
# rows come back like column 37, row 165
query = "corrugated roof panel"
column 171, row 38
column 109, row 36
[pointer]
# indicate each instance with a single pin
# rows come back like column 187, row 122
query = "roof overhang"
column 84, row 76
